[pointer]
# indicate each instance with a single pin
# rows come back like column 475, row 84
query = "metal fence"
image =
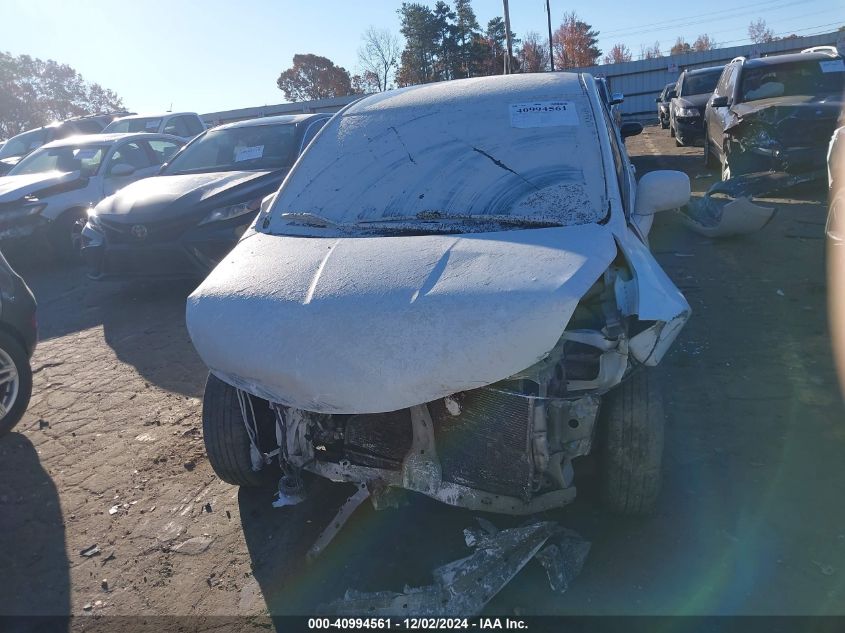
column 641, row 81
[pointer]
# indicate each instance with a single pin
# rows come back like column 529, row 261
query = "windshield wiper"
column 434, row 216
column 310, row 219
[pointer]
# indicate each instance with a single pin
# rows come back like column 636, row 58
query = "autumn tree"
column 575, row 43
column 34, row 92
column 495, row 41
column 314, row 77
column 704, row 43
column 651, row 52
column 618, row 54
column 365, row 83
column 759, row 33
column 533, row 55
column 680, row 46
column 378, row 57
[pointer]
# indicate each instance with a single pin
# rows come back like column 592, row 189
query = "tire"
column 671, row 131
column 709, row 163
column 631, row 425
column 664, row 124
column 678, row 142
column 12, row 354
column 65, row 234
column 226, row 439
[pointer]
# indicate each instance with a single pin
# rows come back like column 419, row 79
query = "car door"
column 133, row 154
column 717, row 118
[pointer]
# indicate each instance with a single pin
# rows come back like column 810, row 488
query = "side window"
column 722, row 86
column 163, row 151
column 311, row 132
column 130, row 154
column 194, row 125
column 619, row 162
column 176, row 126
column 733, row 75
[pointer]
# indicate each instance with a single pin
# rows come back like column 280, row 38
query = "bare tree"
column 534, row 54
column 618, row 54
column 651, row 52
column 379, row 55
column 704, row 43
column 680, row 46
column 759, row 33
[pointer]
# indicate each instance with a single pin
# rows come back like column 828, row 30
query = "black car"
column 775, row 114
column 182, row 222
column 686, row 110
column 18, row 336
column 21, row 145
column 666, row 95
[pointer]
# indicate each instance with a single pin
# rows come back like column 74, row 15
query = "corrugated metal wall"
column 641, row 81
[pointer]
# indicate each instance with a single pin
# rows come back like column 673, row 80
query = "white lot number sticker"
column 249, row 153
column 152, row 125
column 833, row 66
column 543, row 114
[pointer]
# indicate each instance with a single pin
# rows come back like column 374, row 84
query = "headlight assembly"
column 686, row 112
column 232, row 211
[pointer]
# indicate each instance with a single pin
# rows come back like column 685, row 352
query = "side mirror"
column 616, row 98
column 267, row 201
column 661, row 191
column 630, row 129
column 121, row 170
column 719, row 102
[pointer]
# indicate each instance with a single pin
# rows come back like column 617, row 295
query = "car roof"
column 701, row 71
column 789, row 58
column 152, row 116
column 108, row 139
column 271, row 120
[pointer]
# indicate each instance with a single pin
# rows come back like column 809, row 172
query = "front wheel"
column 15, row 382
column 708, row 156
column 65, row 234
column 631, row 426
column 226, row 440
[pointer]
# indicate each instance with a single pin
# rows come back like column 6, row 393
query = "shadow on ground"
column 33, row 558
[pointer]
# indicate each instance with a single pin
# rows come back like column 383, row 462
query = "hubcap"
column 9, row 383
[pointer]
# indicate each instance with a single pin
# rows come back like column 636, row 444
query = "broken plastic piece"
column 463, row 587
column 340, row 519
column 290, row 492
column 563, row 558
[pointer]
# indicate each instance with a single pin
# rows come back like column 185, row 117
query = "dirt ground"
column 751, row 520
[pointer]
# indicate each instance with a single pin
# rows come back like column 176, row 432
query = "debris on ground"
column 88, row 552
column 728, row 207
column 291, row 492
column 193, row 546
column 114, row 509
column 463, row 587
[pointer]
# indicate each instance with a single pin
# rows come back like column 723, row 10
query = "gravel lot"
column 751, row 520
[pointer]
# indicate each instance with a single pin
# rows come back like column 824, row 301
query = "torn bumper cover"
column 728, row 208
column 468, row 368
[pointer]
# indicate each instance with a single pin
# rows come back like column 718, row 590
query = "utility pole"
column 551, row 44
column 509, row 52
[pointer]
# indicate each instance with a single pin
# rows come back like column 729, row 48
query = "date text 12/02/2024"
column 358, row 624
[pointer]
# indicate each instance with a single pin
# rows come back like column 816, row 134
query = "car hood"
column 16, row 187
column 170, row 196
column 809, row 107
column 694, row 101
column 373, row 324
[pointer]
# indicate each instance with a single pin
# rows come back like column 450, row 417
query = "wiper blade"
column 429, row 216
column 310, row 219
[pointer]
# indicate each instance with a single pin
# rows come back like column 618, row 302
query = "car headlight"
column 232, row 211
column 30, row 207
column 93, row 219
column 686, row 112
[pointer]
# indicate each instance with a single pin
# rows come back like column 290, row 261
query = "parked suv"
column 185, row 125
column 13, row 150
column 686, row 111
column 775, row 113
column 666, row 96
column 50, row 190
column 449, row 281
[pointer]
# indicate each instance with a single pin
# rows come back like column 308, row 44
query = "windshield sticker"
column 833, row 66
column 543, row 114
column 85, row 154
column 152, row 125
column 248, row 153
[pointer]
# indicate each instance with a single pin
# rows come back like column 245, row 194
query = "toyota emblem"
column 139, row 231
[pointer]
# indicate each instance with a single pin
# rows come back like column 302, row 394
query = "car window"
column 193, row 125
column 811, row 77
column 619, row 163
column 176, row 126
column 699, row 83
column 239, row 148
column 23, row 143
column 145, row 124
column 162, row 150
column 85, row 159
column 312, row 130
column 724, row 81
column 130, row 154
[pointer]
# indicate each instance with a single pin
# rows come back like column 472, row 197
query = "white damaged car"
column 451, row 293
